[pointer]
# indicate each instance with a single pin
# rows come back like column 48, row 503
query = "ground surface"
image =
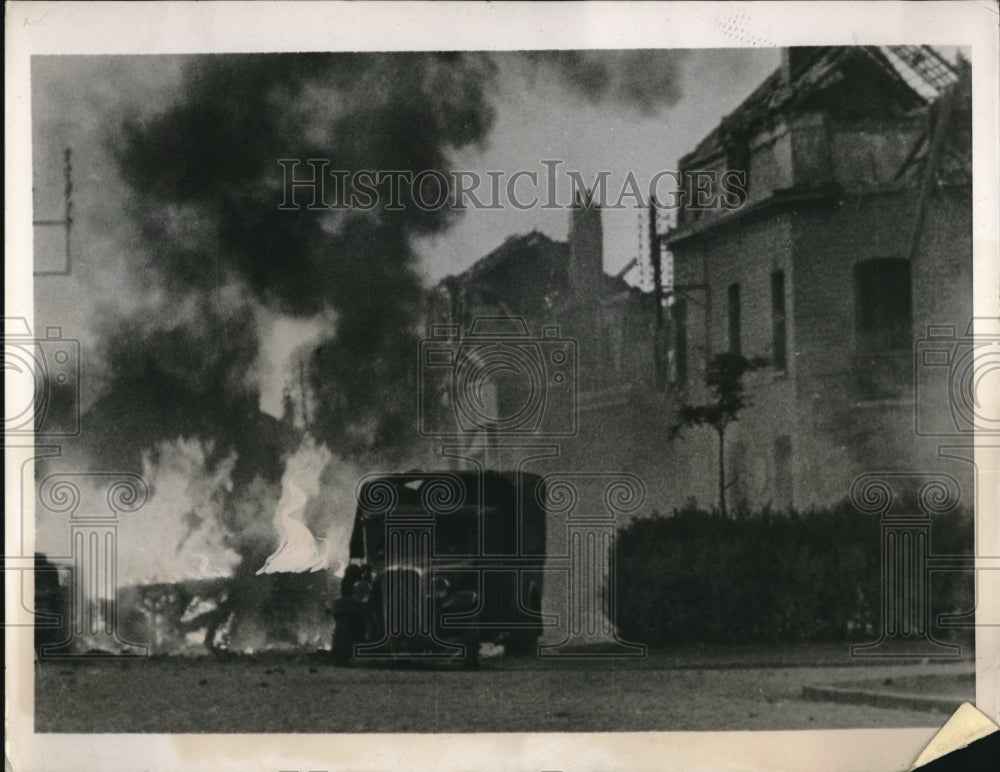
column 705, row 689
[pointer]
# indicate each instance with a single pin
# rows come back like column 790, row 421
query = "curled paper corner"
column 966, row 725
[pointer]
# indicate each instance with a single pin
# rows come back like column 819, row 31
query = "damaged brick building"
column 619, row 411
column 855, row 237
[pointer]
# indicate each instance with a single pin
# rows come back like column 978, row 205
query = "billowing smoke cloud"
column 644, row 79
column 204, row 192
column 179, row 385
column 206, row 188
column 184, row 368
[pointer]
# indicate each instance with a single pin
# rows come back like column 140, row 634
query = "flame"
column 299, row 551
column 178, row 534
column 197, row 525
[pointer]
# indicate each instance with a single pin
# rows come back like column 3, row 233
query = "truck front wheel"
column 523, row 642
column 348, row 631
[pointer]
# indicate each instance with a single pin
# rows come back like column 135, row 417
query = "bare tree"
column 724, row 378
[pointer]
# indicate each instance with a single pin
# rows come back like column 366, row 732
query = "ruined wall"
column 866, row 151
column 843, row 431
column 835, row 426
column 746, row 254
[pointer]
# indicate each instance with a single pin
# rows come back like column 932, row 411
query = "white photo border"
column 34, row 28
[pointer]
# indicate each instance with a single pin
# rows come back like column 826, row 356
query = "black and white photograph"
column 591, row 373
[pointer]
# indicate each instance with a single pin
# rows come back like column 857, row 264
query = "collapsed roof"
column 915, row 76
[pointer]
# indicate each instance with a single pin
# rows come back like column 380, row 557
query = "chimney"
column 586, row 247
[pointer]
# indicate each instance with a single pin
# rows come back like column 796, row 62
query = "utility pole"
column 656, row 260
column 67, row 220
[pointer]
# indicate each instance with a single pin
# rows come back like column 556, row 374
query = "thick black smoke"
column 207, row 185
column 212, row 162
column 190, row 377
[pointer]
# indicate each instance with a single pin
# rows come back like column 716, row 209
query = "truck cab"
column 441, row 562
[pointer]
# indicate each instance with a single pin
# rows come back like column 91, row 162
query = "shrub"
column 697, row 577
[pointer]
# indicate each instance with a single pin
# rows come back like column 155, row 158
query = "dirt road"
column 299, row 693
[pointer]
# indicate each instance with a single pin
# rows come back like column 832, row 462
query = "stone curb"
column 883, row 699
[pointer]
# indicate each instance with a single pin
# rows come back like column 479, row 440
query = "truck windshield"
column 375, row 541
column 456, row 533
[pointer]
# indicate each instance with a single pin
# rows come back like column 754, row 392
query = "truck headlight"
column 463, row 599
column 361, row 591
column 440, row 587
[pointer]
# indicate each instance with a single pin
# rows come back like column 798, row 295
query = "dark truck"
column 441, row 562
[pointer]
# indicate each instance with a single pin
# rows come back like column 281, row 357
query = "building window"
column 883, row 305
column 783, row 471
column 679, row 311
column 779, row 329
column 737, row 145
column 733, row 306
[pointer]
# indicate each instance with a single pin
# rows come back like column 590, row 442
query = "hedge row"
column 696, row 577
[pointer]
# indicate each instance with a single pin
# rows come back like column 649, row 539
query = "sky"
column 543, row 111
column 541, row 121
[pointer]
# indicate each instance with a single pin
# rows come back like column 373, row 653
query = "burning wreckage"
column 440, row 564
